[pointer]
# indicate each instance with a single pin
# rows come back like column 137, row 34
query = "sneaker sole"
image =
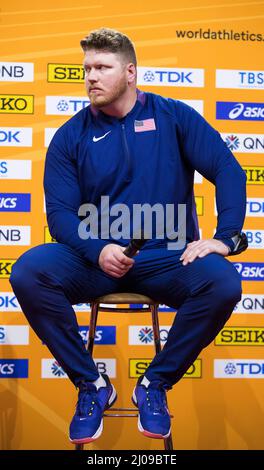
column 142, row 430
column 86, row 440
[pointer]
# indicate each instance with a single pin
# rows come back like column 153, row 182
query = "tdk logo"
column 250, row 271
column 156, row 76
column 240, row 111
column 255, row 207
column 14, row 202
column 239, row 368
column 16, row 368
column 16, row 137
column 66, row 105
column 8, row 302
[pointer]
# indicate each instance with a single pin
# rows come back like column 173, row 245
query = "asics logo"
column 95, row 139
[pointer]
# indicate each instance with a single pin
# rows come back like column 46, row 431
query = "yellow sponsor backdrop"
column 208, row 413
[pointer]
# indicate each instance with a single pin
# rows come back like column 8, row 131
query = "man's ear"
column 131, row 72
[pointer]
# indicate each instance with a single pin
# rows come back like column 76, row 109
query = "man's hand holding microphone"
column 116, row 260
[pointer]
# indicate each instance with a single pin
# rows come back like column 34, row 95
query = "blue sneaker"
column 154, row 417
column 87, row 423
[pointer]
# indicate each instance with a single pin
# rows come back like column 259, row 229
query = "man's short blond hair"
column 110, row 40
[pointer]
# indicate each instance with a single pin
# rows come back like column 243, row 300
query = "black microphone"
column 134, row 245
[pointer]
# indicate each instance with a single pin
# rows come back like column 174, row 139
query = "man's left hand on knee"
column 201, row 248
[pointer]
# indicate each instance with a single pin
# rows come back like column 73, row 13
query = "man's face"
column 105, row 77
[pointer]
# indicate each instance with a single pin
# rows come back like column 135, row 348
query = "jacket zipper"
column 127, row 154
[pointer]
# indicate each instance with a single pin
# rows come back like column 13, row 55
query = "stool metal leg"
column 78, row 446
column 168, row 444
column 92, row 327
column 155, row 326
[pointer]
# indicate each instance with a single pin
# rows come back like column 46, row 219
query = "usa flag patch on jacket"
column 145, row 125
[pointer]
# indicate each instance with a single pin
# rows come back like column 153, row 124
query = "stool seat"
column 125, row 298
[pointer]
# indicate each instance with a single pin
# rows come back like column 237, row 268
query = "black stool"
column 125, row 298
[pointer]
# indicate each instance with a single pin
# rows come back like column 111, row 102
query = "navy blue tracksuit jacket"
column 147, row 157
column 153, row 166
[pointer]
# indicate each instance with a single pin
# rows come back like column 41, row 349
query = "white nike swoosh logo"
column 82, row 419
column 95, row 139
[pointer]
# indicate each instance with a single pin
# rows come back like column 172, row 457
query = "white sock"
column 145, row 381
column 100, row 382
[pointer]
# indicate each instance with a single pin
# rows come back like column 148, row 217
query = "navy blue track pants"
column 48, row 279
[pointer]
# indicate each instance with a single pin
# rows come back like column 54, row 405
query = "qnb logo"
column 232, row 141
column 14, row 235
column 146, row 335
column 57, row 370
column 250, row 303
column 244, row 143
column 16, row 71
column 139, row 335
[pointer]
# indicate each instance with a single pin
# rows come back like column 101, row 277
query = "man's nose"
column 92, row 75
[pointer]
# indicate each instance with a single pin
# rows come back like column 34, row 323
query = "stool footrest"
column 123, row 415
